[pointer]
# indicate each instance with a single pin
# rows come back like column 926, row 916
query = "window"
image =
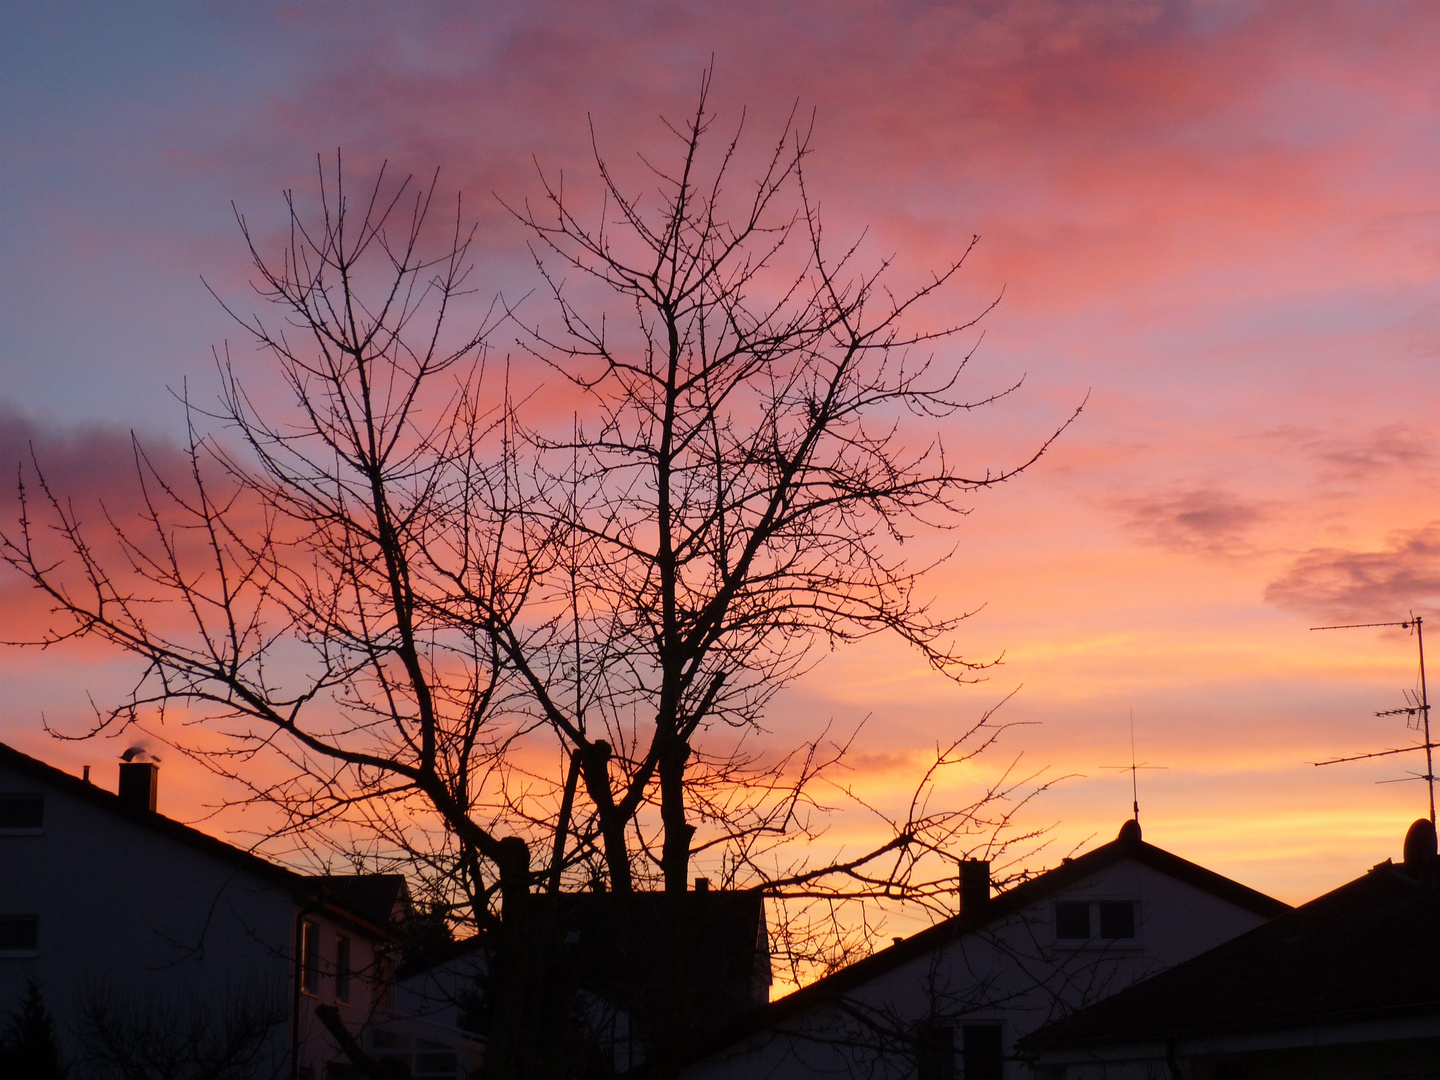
column 19, row 935
column 309, row 958
column 1102, row 920
column 1072, row 922
column 935, row 1052
column 1117, row 919
column 342, row 970
column 21, row 813
column 983, row 1052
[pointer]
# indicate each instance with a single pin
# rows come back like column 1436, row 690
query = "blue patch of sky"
column 97, row 314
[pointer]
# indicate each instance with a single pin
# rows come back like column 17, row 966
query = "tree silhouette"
column 29, row 1048
column 433, row 631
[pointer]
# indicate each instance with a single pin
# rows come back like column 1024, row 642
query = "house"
column 141, row 930
column 1347, row 985
column 641, row 973
column 952, row 1000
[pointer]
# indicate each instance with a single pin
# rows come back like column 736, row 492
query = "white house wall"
column 1013, row 972
column 154, row 923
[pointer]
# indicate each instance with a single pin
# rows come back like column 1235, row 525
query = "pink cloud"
column 1372, row 586
column 1208, row 520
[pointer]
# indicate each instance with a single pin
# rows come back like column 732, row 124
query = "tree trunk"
column 675, row 854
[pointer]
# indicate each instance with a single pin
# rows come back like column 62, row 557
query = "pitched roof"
column 379, row 898
column 302, row 886
column 1128, row 845
column 1367, row 950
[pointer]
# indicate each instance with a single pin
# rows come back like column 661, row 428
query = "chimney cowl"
column 1420, row 849
column 139, row 784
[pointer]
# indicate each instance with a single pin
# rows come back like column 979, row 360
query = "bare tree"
column 452, row 639
column 760, row 437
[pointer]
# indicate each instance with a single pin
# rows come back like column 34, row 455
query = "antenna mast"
column 1134, row 770
column 1134, row 780
column 1420, row 708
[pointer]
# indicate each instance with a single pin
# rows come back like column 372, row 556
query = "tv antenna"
column 1416, row 711
column 1133, row 769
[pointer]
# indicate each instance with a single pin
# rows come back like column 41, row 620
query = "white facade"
column 148, row 927
column 952, row 1001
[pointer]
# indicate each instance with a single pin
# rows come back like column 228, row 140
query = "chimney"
column 702, row 884
column 974, row 886
column 138, row 783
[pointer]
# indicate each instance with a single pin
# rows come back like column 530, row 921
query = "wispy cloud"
column 1389, row 448
column 1206, row 520
column 1340, row 584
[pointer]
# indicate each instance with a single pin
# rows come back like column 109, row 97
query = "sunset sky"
column 1220, row 220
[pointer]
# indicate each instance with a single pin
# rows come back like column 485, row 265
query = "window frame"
column 1096, row 922
column 308, row 961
